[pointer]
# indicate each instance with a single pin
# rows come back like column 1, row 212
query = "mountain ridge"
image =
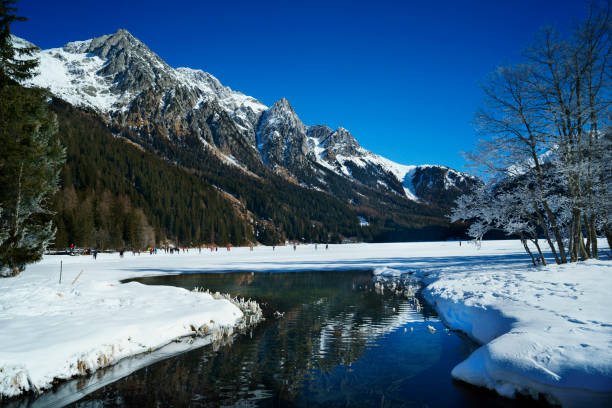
column 185, row 115
column 120, row 53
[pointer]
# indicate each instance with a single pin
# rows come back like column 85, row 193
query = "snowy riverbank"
column 52, row 331
column 543, row 329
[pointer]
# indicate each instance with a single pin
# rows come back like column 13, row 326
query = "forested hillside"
column 114, row 195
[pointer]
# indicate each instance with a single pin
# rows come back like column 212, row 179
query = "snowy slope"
column 76, row 74
column 72, row 75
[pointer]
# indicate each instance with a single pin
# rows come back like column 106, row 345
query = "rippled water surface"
column 340, row 343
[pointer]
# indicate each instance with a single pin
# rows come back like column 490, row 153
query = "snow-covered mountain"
column 133, row 88
column 108, row 73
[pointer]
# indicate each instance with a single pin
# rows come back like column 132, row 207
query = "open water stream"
column 340, row 342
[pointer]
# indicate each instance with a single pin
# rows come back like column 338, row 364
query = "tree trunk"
column 547, row 235
column 593, row 230
column 587, row 245
column 608, row 233
column 533, row 261
column 537, row 245
column 18, row 203
column 556, row 232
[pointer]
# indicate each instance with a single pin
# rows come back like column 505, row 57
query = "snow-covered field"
column 546, row 330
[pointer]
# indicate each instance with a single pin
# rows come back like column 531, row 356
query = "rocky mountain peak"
column 130, row 64
column 109, row 46
column 282, row 115
column 342, row 142
column 281, row 135
column 282, row 107
column 319, row 132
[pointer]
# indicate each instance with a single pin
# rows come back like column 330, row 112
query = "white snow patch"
column 402, row 172
column 544, row 331
column 57, row 331
column 72, row 76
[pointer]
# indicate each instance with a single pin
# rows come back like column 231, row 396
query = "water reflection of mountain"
column 329, row 337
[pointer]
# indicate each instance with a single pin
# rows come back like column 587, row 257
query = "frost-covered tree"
column 30, row 157
column 572, row 80
column 502, row 206
column 545, row 125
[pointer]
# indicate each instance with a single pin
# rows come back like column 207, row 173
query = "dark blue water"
column 340, row 343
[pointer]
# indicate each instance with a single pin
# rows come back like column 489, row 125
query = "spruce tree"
column 14, row 62
column 30, row 156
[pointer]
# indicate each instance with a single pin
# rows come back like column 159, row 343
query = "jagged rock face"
column 332, row 143
column 244, row 110
column 319, row 132
column 441, row 184
column 132, row 66
column 281, row 137
column 341, row 142
column 164, row 113
column 175, row 103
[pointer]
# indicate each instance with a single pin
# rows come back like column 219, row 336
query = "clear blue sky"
column 401, row 76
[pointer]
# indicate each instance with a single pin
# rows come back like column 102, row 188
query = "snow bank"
column 53, row 331
column 544, row 331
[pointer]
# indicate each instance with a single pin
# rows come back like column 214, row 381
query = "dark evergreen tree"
column 14, row 62
column 30, row 156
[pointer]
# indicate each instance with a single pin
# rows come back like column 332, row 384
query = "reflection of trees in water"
column 330, row 318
